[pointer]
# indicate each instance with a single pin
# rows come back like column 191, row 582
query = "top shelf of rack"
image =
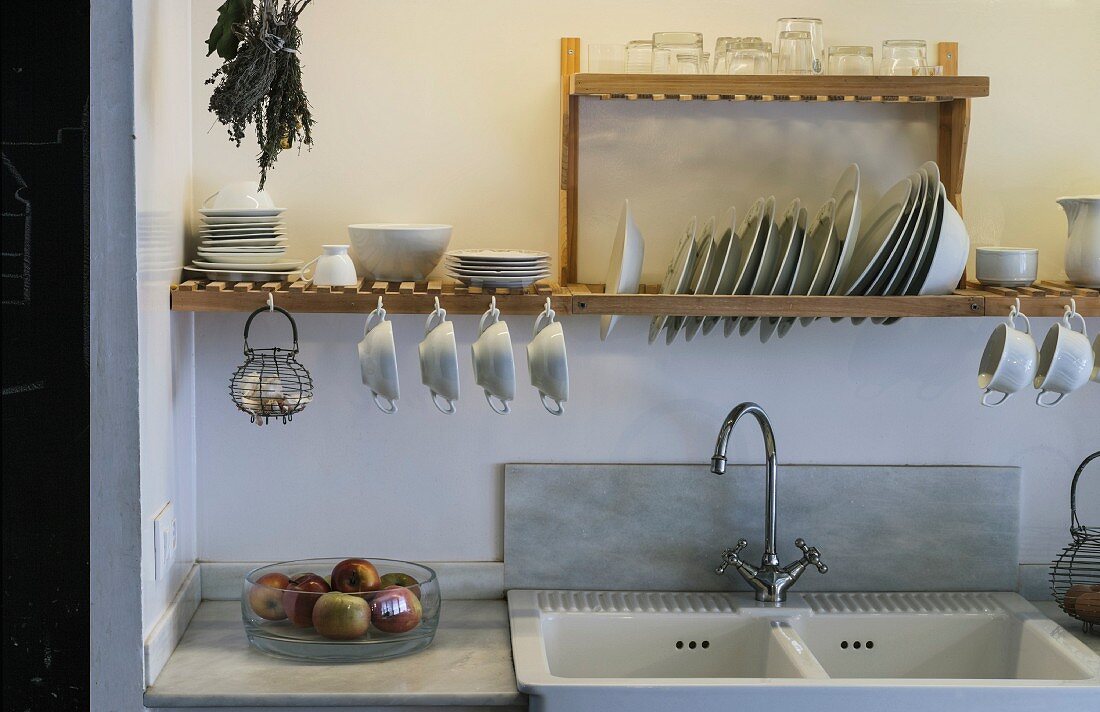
column 778, row 86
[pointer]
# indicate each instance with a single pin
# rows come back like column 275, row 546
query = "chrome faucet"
column 769, row 580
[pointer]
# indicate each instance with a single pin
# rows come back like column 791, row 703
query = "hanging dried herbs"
column 260, row 82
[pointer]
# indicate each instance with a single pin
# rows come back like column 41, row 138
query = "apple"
column 301, row 596
column 355, row 576
column 341, row 616
column 395, row 609
column 400, row 578
column 266, row 596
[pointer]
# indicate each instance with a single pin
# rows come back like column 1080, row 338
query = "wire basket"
column 1078, row 566
column 271, row 383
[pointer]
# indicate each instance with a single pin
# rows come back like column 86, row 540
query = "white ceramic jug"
column 1083, row 250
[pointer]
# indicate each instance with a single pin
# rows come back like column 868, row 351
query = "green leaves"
column 223, row 39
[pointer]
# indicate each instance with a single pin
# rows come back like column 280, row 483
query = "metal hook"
column 270, row 301
column 380, row 302
column 493, row 303
column 437, row 304
column 1015, row 310
column 1070, row 309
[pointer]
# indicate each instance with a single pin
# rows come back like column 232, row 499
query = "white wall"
column 162, row 55
column 447, row 112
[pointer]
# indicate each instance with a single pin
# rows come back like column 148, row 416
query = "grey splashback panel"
column 663, row 527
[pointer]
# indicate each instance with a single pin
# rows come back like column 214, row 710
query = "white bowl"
column 952, row 248
column 1006, row 266
column 397, row 252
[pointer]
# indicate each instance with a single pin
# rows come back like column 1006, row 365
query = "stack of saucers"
column 243, row 233
column 501, row 269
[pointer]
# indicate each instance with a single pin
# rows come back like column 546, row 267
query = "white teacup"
column 439, row 360
column 242, row 195
column 333, row 268
column 1065, row 360
column 494, row 367
column 378, row 361
column 547, row 363
column 1009, row 361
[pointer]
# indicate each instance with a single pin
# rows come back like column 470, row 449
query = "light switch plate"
column 164, row 541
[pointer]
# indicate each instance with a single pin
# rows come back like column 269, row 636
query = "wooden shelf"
column 1045, row 299
column 777, row 87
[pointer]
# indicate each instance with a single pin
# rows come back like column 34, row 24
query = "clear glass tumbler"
column 669, row 47
column 607, row 58
column 817, row 38
column 899, row 57
column 639, row 56
column 796, row 54
column 750, row 58
column 689, row 63
column 721, row 52
column 850, row 59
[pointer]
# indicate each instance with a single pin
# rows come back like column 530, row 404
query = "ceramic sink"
column 609, row 651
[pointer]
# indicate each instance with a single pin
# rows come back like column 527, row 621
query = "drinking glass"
column 899, row 57
column 671, row 46
column 607, row 58
column 796, row 54
column 851, row 60
column 811, row 25
column 750, row 58
column 639, row 56
column 721, row 52
column 688, row 63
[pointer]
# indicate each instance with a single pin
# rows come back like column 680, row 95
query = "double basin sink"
column 610, row 651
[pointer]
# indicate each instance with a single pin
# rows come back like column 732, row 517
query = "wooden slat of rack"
column 835, row 88
column 689, row 305
column 1047, row 298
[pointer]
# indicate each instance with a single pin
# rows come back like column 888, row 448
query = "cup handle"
column 490, row 312
column 306, row 266
column 1027, row 322
column 210, row 197
column 380, row 313
column 1072, row 313
column 985, row 398
column 1050, row 404
column 547, row 314
column 450, row 409
column 504, row 404
column 378, row 402
column 440, row 313
column 560, row 404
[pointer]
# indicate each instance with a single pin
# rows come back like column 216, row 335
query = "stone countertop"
column 1051, row 610
column 468, row 664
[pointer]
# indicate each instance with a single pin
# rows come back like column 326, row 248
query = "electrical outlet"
column 164, row 541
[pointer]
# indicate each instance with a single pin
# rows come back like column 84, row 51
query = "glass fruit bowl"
column 340, row 610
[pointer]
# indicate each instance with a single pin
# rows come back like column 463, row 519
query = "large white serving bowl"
column 952, row 249
column 398, row 252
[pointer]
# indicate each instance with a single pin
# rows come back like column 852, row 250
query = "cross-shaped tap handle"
column 730, row 557
column 811, row 554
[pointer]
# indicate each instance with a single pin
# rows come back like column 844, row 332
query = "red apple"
column 341, row 616
column 355, row 576
column 400, row 578
column 266, row 596
column 301, row 596
column 395, row 609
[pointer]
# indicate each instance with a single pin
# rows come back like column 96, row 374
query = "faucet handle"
column 730, row 557
column 811, row 555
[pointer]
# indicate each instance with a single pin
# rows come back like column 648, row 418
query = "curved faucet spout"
column 718, row 466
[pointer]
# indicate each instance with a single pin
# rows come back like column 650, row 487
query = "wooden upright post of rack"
column 567, row 193
column 954, row 134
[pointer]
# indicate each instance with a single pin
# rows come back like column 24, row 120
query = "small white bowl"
column 1006, row 266
column 398, row 252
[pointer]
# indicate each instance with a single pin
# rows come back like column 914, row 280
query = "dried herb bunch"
column 261, row 80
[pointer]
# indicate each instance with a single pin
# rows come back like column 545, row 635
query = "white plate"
column 677, row 275
column 239, row 221
column 769, row 264
column 704, row 254
column 825, row 273
column 501, row 283
column 624, row 270
column 897, row 243
column 727, row 258
column 846, row 222
column 499, row 255
column 278, row 266
column 952, row 247
column 874, row 239
column 245, row 249
column 230, row 243
column 225, row 275
column 793, row 225
column 474, row 264
column 241, row 212
column 814, row 243
column 915, row 239
column 239, row 258
column 751, row 236
column 498, row 269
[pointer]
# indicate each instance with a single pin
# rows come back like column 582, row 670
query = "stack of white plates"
column 502, row 269
column 240, row 240
column 911, row 242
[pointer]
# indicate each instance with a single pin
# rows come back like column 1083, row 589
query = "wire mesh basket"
column 1076, row 571
column 271, row 383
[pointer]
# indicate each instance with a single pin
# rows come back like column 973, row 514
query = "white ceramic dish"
column 489, row 264
column 751, row 234
column 793, row 227
column 952, row 248
column 704, row 254
column 906, row 241
column 245, row 221
column 769, row 263
column 1006, row 266
column 246, row 242
column 504, row 268
column 241, row 212
column 846, row 219
column 398, row 252
column 677, row 275
column 499, row 255
column 500, row 282
column 824, row 234
column 874, row 240
column 815, row 238
column 727, row 259
column 624, row 271
column 222, row 274
column 275, row 266
column 238, row 258
column 251, row 235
